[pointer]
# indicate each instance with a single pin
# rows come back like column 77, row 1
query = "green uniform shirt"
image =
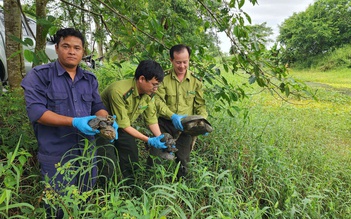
column 122, row 99
column 183, row 98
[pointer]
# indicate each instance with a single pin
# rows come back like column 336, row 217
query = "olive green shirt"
column 182, row 98
column 121, row 98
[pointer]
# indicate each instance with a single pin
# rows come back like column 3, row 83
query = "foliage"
column 12, row 168
column 258, row 33
column 323, row 27
column 137, row 30
column 14, row 122
column 268, row 162
column 339, row 58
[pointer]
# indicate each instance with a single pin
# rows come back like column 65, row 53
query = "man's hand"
column 176, row 120
column 81, row 123
column 156, row 142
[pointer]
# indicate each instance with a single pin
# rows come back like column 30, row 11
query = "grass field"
column 275, row 159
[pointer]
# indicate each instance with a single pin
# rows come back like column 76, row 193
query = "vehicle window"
column 2, row 40
column 24, row 30
column 32, row 25
column 2, row 18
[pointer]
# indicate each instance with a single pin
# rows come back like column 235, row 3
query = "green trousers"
column 183, row 144
column 123, row 154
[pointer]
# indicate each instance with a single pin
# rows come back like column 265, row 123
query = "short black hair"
column 178, row 48
column 149, row 69
column 65, row 32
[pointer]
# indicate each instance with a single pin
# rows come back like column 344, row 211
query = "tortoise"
column 104, row 125
column 170, row 142
column 167, row 153
column 196, row 125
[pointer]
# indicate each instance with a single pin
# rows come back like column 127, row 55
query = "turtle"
column 104, row 125
column 196, row 125
column 170, row 142
column 167, row 153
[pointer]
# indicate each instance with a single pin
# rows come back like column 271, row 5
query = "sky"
column 274, row 12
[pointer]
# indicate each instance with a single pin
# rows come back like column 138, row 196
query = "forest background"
column 280, row 148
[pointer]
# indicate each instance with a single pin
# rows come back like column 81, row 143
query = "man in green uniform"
column 128, row 99
column 179, row 95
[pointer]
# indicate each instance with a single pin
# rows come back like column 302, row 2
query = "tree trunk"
column 13, row 27
column 41, row 32
column 99, row 36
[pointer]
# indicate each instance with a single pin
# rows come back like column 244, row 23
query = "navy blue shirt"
column 49, row 87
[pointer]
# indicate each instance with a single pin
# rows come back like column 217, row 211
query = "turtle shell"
column 196, row 125
column 104, row 125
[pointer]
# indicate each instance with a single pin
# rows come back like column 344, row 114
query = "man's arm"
column 102, row 113
column 155, row 129
column 160, row 103
column 53, row 119
column 152, row 141
column 50, row 118
column 136, row 134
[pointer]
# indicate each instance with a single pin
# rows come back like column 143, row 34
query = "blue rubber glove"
column 156, row 142
column 115, row 126
column 81, row 123
column 176, row 120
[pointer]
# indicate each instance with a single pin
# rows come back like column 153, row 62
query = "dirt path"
column 345, row 91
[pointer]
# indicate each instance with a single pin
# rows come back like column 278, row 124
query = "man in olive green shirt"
column 179, row 95
column 128, row 99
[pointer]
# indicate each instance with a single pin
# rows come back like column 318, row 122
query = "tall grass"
column 273, row 160
column 339, row 58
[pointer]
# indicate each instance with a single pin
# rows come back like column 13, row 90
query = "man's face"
column 70, row 51
column 180, row 62
column 148, row 87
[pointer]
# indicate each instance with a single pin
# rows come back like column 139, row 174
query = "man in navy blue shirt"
column 61, row 98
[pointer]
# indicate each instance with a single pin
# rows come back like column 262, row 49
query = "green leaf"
column 287, row 91
column 28, row 55
column 248, row 18
column 16, row 39
column 183, row 23
column 3, row 195
column 236, row 31
column 230, row 113
column 241, row 3
column 28, row 42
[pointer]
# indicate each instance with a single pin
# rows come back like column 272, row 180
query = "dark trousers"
column 183, row 144
column 85, row 181
column 124, row 154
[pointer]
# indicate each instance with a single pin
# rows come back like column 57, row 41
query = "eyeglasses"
column 155, row 85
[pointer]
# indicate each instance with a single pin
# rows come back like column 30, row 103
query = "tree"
column 41, row 30
column 259, row 34
column 141, row 29
column 13, row 30
column 323, row 27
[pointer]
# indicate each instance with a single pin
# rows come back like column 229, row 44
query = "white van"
column 50, row 46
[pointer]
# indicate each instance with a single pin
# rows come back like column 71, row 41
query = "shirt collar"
column 174, row 75
column 135, row 91
column 61, row 71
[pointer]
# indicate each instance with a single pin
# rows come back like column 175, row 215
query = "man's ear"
column 141, row 78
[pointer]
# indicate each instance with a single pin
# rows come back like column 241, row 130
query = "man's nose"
column 71, row 50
